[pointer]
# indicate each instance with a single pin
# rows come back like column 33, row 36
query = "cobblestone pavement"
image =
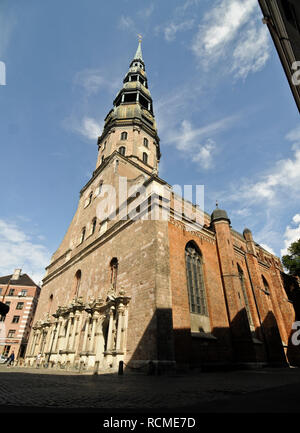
column 41, row 388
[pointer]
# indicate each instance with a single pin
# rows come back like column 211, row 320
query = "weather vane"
column 217, row 204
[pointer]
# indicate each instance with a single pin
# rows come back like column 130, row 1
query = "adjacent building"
column 283, row 20
column 21, row 294
column 143, row 275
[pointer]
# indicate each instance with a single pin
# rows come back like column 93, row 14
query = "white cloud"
column 146, row 13
column 17, row 250
column 283, row 178
column 92, row 80
column 250, row 54
column 291, row 234
column 126, row 23
column 196, row 143
column 172, row 28
column 89, row 128
column 231, row 30
column 267, row 248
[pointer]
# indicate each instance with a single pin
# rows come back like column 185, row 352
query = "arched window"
column 243, row 287
column 266, row 285
column 82, row 235
column 146, row 142
column 77, row 280
column 114, row 272
column 195, row 280
column 145, row 158
column 122, row 150
column 102, row 159
column 124, row 136
column 90, row 198
column 94, row 224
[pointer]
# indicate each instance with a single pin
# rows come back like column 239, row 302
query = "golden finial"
column 140, row 37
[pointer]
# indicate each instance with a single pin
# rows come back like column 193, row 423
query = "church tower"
column 130, row 126
column 106, row 296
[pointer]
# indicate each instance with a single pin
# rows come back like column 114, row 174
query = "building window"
column 90, row 198
column 104, row 145
column 11, row 333
column 124, row 136
column 246, row 301
column 94, row 224
column 19, row 305
column 77, row 283
column 6, row 350
column 145, row 158
column 0, row 290
column 11, row 292
column 195, row 280
column 146, row 142
column 266, row 285
column 114, row 272
column 102, row 159
column 16, row 319
column 82, row 235
column 23, row 293
column 122, row 150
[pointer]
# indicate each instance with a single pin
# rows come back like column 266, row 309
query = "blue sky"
column 225, row 113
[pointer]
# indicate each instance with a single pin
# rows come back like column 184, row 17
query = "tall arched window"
column 122, row 150
column 77, row 280
column 243, row 287
column 114, row 272
column 146, row 142
column 145, row 157
column 124, row 135
column 195, row 280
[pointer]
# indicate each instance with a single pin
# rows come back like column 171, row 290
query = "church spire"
column 130, row 126
column 138, row 54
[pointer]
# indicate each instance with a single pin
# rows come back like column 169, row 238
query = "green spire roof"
column 138, row 54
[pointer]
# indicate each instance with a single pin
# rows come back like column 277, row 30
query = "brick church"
column 136, row 279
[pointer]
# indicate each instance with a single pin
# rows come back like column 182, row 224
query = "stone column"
column 74, row 330
column 71, row 315
column 76, row 347
column 120, row 329
column 109, row 345
column 33, row 343
column 92, row 340
column 55, row 344
column 87, row 325
column 99, row 348
column 51, row 339
column 37, row 341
